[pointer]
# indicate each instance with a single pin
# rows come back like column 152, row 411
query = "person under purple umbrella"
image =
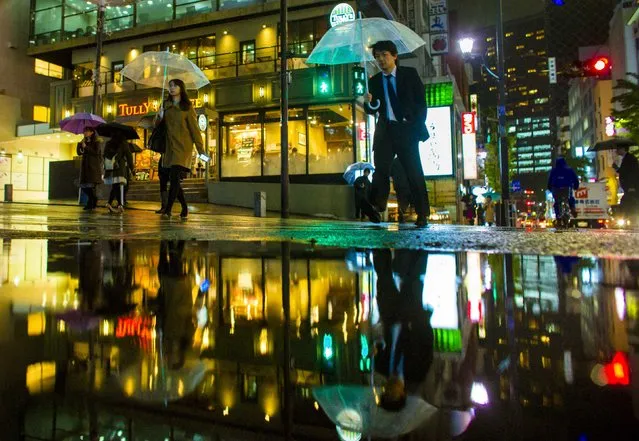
column 91, row 169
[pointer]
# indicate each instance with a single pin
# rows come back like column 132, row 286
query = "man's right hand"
column 368, row 98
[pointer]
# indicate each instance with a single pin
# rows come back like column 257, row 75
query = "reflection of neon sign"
column 134, row 327
column 610, row 126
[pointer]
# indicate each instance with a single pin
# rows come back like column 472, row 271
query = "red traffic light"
column 600, row 64
column 597, row 66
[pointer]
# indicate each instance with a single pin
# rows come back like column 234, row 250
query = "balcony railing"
column 215, row 67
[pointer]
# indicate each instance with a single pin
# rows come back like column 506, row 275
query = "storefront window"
column 247, row 51
column 241, row 154
column 185, row 8
column 330, row 138
column 47, row 25
column 118, row 18
column 243, row 288
column 153, row 12
column 297, row 145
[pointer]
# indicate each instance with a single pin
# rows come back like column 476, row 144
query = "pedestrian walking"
column 91, row 168
column 397, row 95
column 163, row 174
column 489, row 211
column 118, row 163
column 628, row 170
column 362, row 193
column 182, row 132
column 402, row 190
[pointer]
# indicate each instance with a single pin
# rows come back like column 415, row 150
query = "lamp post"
column 284, row 80
column 466, row 46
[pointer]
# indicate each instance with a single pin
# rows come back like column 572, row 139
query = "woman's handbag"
column 157, row 140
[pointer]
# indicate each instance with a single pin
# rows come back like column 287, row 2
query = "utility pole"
column 502, row 141
column 284, row 107
column 97, row 102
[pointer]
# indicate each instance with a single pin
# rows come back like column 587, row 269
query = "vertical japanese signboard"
column 438, row 26
column 469, row 145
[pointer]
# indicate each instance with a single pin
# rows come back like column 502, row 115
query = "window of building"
column 80, row 19
column 154, row 11
column 185, row 8
column 529, row 34
column 47, row 21
column 249, row 388
column 303, row 35
column 41, row 114
column 48, row 69
column 509, row 34
column 242, row 146
column 330, row 137
column 297, row 143
column 200, row 50
column 118, row 18
column 116, row 67
column 519, row 47
column 532, row 70
column 247, row 52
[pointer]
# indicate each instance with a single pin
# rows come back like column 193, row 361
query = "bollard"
column 259, row 204
column 8, row 192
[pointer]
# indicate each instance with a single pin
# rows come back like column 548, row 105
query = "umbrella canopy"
column 109, row 129
column 77, row 123
column 613, row 144
column 153, row 68
column 354, row 408
column 352, row 170
column 350, row 42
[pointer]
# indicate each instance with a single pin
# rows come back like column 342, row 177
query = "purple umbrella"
column 78, row 122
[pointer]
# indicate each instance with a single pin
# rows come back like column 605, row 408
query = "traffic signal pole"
column 284, row 195
column 502, row 141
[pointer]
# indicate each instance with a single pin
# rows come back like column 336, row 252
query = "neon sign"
column 141, row 327
column 342, row 13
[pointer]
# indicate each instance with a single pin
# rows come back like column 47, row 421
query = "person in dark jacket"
column 118, row 165
column 91, row 168
column 402, row 189
column 362, row 193
column 563, row 181
column 164, row 174
column 628, row 180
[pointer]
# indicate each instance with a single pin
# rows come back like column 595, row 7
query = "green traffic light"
column 323, row 87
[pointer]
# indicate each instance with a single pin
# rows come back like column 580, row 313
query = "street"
column 68, row 222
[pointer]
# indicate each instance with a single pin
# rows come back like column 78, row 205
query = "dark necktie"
column 394, row 101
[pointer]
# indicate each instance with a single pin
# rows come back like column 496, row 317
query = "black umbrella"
column 135, row 148
column 613, row 144
column 109, row 129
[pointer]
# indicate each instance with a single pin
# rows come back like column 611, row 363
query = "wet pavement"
column 209, row 340
column 64, row 222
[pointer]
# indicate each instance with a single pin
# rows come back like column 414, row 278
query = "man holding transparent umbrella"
column 397, row 96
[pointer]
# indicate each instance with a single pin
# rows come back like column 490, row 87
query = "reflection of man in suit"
column 397, row 95
column 407, row 347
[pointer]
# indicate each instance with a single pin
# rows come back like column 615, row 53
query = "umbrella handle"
column 166, row 67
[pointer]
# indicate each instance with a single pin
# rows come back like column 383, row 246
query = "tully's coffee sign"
column 342, row 13
column 140, row 108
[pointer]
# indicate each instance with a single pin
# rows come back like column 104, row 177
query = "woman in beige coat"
column 182, row 133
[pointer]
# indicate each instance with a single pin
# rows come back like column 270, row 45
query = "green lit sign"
column 439, row 94
column 327, row 352
column 323, row 81
column 364, row 359
column 448, row 340
column 359, row 81
column 342, row 13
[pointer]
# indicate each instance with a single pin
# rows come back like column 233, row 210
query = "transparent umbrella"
column 153, row 68
column 354, row 408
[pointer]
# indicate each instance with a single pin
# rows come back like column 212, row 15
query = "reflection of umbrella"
column 354, row 409
column 612, row 144
column 78, row 122
column 109, row 129
column 493, row 195
column 350, row 42
column 152, row 68
column 78, row 320
column 351, row 171
column 161, row 385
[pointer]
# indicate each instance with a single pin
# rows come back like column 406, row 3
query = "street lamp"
column 466, row 46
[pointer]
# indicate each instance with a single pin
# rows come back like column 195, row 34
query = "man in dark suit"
column 397, row 96
column 629, row 181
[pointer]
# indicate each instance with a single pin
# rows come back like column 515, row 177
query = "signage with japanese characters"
column 591, row 201
column 438, row 27
column 469, row 145
column 342, row 13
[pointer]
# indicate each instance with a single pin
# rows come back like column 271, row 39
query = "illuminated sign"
column 469, row 145
column 134, row 327
column 342, row 13
column 474, row 108
column 440, row 291
column 437, row 153
column 145, row 107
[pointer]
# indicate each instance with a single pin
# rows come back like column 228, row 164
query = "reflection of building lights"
column 225, row 412
column 261, row 92
column 245, row 281
column 105, row 327
column 479, row 394
column 109, row 109
column 232, row 330
column 344, row 330
column 16, row 280
column 263, row 346
column 129, row 386
column 267, row 418
column 620, row 303
column 180, row 389
column 316, row 405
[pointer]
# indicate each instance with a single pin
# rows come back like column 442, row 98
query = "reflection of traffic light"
column 597, row 67
column 323, row 84
column 359, row 81
column 617, row 372
column 365, row 355
column 327, row 349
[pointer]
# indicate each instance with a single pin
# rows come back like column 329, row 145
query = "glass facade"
column 321, row 140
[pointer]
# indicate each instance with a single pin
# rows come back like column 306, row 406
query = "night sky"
column 474, row 14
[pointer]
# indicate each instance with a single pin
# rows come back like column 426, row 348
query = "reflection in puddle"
column 189, row 341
